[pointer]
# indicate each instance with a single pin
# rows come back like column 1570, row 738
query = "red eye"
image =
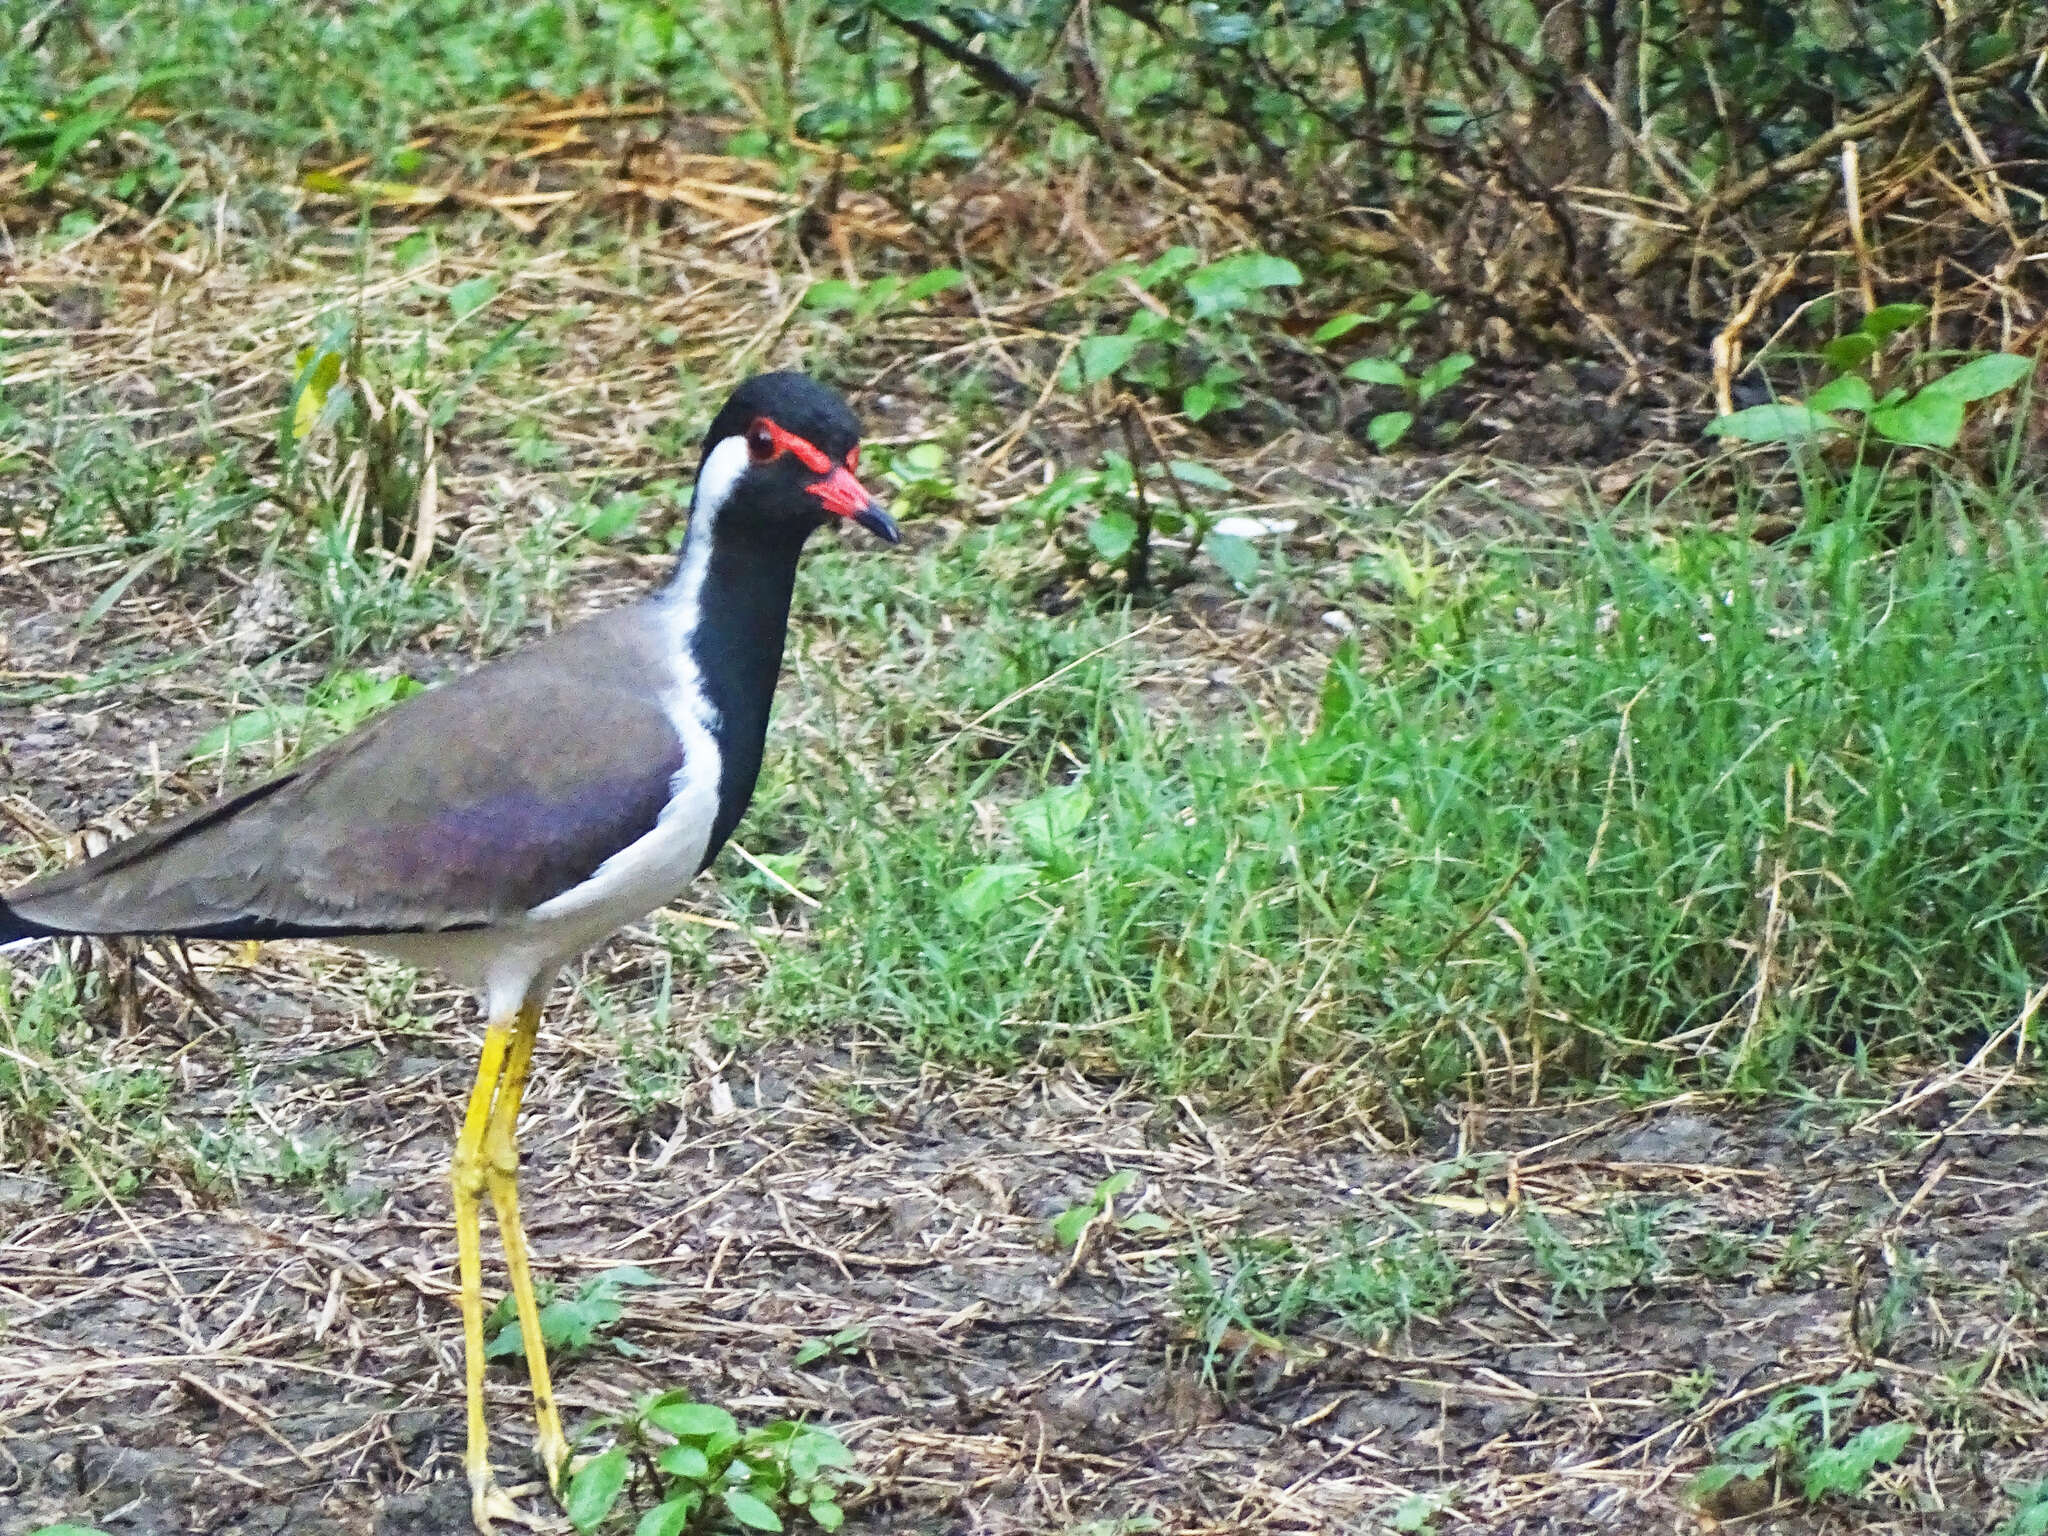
column 760, row 442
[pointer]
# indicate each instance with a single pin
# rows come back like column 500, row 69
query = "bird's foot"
column 552, row 1447
column 488, row 1504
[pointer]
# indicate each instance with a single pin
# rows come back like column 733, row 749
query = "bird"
column 495, row 827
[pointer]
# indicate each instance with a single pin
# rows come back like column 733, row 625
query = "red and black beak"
column 846, row 497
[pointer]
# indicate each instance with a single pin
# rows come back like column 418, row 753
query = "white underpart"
column 506, row 963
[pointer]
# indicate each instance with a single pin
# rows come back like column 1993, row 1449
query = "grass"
column 1370, row 1285
column 1662, row 807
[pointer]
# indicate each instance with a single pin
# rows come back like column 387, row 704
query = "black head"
column 781, row 456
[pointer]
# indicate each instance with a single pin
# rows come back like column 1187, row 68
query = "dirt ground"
column 177, row 1362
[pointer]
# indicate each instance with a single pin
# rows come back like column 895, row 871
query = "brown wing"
column 461, row 807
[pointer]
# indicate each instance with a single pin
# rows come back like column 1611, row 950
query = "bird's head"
column 782, row 456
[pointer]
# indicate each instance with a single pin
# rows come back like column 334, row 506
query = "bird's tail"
column 14, row 927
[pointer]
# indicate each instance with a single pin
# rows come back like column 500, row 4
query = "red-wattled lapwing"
column 496, row 827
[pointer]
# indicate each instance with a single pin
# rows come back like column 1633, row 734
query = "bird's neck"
column 730, row 596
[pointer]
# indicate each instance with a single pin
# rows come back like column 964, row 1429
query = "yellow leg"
column 486, row 1502
column 501, row 1174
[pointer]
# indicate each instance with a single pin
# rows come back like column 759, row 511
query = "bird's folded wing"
column 462, row 807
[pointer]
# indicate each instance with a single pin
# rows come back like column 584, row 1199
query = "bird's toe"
column 488, row 1504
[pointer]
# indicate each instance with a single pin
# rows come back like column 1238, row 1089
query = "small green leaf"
column 991, row 887
column 692, row 1420
column 1930, row 419
column 412, row 250
column 67, row 1530
column 750, row 1511
column 1984, row 376
column 471, row 295
column 623, row 1274
column 938, row 280
column 596, row 1487
column 1338, row 325
column 828, row 1515
column 1847, row 352
column 1225, row 285
column 923, row 459
column 1101, row 356
column 1850, row 392
column 1847, row 1468
column 1889, row 319
column 1146, row 1221
column 316, row 382
column 671, row 1517
column 1240, row 561
column 246, row 730
column 1442, row 374
column 607, row 522
column 1171, row 262
column 827, row 1448
column 1046, row 824
column 876, row 296
column 1199, row 400
column 830, row 295
column 1068, row 1226
column 1118, row 1183
column 809, row 1350
column 1188, row 472
column 688, row 1461
column 1388, row 428
column 1378, row 370
column 1782, row 421
column 1113, row 534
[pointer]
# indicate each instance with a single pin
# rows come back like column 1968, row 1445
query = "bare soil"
column 248, row 1360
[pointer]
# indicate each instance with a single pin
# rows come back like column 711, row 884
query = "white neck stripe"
column 722, row 469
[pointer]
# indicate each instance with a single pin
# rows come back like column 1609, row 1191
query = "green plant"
column 1687, row 1393
column 568, row 1325
column 1416, row 1513
column 97, row 1115
column 846, row 1341
column 1132, row 508
column 1070, row 1224
column 1794, row 1441
column 1930, row 416
column 332, row 708
column 357, row 438
column 919, row 477
column 856, row 306
column 67, row 1530
column 705, row 1472
column 97, row 119
column 1261, row 1289
column 1627, row 1253
column 1184, row 338
column 2030, row 1510
column 1047, row 828
column 1386, row 428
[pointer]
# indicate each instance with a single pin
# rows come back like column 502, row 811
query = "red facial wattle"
column 843, row 495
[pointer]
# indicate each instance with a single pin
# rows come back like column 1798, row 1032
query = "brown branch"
column 1912, row 99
